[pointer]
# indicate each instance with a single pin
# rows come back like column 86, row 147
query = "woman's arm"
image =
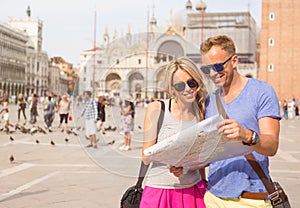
column 150, row 127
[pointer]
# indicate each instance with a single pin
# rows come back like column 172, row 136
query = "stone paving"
column 69, row 175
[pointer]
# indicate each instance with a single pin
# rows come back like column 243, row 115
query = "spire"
column 188, row 5
column 28, row 11
column 115, row 35
column 105, row 36
column 128, row 30
column 201, row 6
column 153, row 20
column 105, row 31
column 128, row 34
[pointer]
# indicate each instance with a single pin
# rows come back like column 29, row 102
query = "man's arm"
column 269, row 136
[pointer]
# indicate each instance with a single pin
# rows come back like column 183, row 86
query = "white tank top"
column 158, row 175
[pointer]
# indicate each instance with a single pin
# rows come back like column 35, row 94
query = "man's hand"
column 233, row 130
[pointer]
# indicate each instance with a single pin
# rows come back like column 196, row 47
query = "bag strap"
column 250, row 158
column 144, row 168
column 259, row 171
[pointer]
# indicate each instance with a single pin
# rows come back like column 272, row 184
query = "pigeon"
column 111, row 143
column 37, row 141
column 24, row 130
column 66, row 140
column 69, row 131
column 108, row 128
column 11, row 159
column 41, row 130
column 11, row 138
column 17, row 127
column 139, row 127
column 52, row 143
column 33, row 130
column 75, row 133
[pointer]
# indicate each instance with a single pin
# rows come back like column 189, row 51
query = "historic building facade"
column 125, row 67
column 280, row 47
column 12, row 60
column 67, row 73
column 36, row 71
column 134, row 64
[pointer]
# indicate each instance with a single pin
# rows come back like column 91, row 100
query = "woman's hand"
column 177, row 171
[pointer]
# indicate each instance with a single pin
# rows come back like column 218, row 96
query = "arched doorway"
column 113, row 84
column 136, row 81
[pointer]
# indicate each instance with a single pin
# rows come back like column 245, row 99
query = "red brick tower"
column 280, row 47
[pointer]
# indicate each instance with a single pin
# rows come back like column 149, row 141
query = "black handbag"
column 133, row 195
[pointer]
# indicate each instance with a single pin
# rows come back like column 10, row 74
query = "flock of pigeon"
column 33, row 130
column 37, row 129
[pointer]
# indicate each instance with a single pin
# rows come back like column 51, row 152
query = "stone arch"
column 135, row 84
column 113, row 83
column 168, row 50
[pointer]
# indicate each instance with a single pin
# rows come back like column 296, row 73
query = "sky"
column 68, row 25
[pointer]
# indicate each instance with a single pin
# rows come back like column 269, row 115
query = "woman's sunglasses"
column 216, row 67
column 180, row 86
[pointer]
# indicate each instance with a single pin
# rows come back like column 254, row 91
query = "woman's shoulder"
column 156, row 104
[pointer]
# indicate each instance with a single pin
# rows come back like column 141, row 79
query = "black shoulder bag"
column 277, row 195
column 133, row 195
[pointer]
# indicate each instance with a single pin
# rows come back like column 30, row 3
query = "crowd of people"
column 290, row 108
column 50, row 105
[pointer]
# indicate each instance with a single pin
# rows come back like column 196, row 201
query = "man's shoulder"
column 259, row 84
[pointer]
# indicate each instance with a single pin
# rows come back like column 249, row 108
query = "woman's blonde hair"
column 189, row 67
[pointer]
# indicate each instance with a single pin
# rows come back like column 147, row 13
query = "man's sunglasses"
column 180, row 86
column 216, row 67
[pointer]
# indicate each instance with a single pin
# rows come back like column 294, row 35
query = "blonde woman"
column 64, row 111
column 168, row 186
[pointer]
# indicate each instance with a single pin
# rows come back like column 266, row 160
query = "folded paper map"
column 196, row 145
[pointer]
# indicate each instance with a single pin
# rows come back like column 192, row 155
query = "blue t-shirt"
column 229, row 178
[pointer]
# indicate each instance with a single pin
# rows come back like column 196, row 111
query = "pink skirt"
column 192, row 197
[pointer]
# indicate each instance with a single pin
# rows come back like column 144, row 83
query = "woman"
column 168, row 186
column 101, row 113
column 64, row 109
column 126, row 123
column 21, row 107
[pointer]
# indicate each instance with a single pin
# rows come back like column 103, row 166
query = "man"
column 91, row 115
column 33, row 108
column 254, row 114
column 49, row 109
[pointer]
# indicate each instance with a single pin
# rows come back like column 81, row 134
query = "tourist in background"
column 64, row 109
column 21, row 108
column 101, row 113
